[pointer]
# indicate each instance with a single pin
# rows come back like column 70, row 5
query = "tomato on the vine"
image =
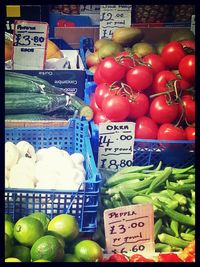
column 93, row 104
column 190, row 133
column 163, row 111
column 139, row 106
column 189, row 106
column 139, row 78
column 156, row 62
column 188, row 43
column 116, row 107
column 98, row 77
column 111, row 70
column 172, row 53
column 125, row 59
column 101, row 92
column 168, row 131
column 187, row 68
column 100, row 117
column 145, row 128
column 163, row 81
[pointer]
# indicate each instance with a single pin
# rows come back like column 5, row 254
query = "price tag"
column 116, row 143
column 193, row 24
column 113, row 17
column 29, row 43
column 130, row 228
column 89, row 9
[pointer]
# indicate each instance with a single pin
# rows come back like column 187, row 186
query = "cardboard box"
column 72, row 35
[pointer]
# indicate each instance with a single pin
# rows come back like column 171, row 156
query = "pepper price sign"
column 29, row 45
column 130, row 228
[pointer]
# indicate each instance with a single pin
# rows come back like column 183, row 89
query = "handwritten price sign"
column 29, row 42
column 130, row 228
column 113, row 17
column 116, row 145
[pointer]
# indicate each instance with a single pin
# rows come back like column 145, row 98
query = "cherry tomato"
column 100, row 117
column 139, row 78
column 168, row 131
column 139, row 106
column 172, row 53
column 98, row 77
column 116, row 107
column 102, row 91
column 190, row 133
column 139, row 258
column 145, row 128
column 161, row 111
column 111, row 70
column 188, row 43
column 118, row 258
column 168, row 257
column 189, row 105
column 156, row 62
column 187, row 68
column 93, row 104
column 163, row 81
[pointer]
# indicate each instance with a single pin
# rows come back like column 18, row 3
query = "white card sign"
column 113, row 17
column 130, row 228
column 29, row 43
column 116, row 142
column 193, row 24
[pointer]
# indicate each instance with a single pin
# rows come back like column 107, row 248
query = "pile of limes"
column 36, row 238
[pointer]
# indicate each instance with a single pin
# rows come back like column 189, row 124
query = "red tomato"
column 189, row 105
column 145, row 128
column 69, row 24
column 101, row 92
column 139, row 258
column 126, row 61
column 188, row 43
column 163, row 112
column 187, row 68
column 183, row 84
column 93, row 104
column 190, row 133
column 139, row 106
column 163, row 80
column 139, row 78
column 60, row 22
column 116, row 107
column 168, row 257
column 111, row 70
column 118, row 258
column 98, row 77
column 156, row 62
column 100, row 117
column 168, row 131
column 172, row 53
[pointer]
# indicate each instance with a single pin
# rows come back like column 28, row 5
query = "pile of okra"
column 172, row 194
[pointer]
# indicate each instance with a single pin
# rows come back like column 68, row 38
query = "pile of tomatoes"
column 156, row 92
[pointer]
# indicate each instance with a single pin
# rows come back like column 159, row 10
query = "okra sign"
column 130, row 228
column 29, row 42
column 116, row 145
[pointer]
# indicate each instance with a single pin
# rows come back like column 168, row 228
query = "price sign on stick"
column 116, row 142
column 130, row 228
column 113, row 17
column 29, row 43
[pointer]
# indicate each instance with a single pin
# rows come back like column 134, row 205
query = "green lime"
column 89, row 251
column 9, row 227
column 12, row 260
column 22, row 253
column 27, row 230
column 8, row 217
column 41, row 260
column 65, row 225
column 8, row 246
column 71, row 258
column 47, row 248
column 42, row 217
column 59, row 237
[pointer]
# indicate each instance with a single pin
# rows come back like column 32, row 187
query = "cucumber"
column 22, row 83
column 33, row 103
column 83, row 109
column 29, row 117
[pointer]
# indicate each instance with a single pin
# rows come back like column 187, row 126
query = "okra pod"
column 167, row 230
column 174, row 226
column 172, row 240
column 157, row 227
column 125, row 201
column 181, row 188
column 182, row 170
column 187, row 236
column 159, row 179
column 134, row 169
column 182, row 200
column 161, row 247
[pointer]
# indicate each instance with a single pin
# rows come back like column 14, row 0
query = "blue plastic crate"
column 61, row 44
column 172, row 153
column 83, row 204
